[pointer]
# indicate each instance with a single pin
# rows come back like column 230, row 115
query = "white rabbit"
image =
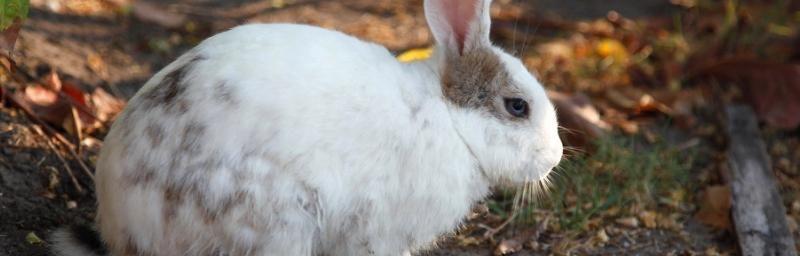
column 282, row 139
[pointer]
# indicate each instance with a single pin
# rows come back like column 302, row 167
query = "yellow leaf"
column 613, row 49
column 415, row 55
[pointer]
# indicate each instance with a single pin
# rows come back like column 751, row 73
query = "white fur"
column 393, row 163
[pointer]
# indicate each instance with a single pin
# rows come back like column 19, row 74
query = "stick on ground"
column 758, row 212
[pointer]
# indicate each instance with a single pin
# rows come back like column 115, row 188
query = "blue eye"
column 517, row 107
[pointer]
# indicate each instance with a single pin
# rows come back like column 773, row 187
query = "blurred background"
column 640, row 85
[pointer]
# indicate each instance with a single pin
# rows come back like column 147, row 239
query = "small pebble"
column 602, row 236
column 630, row 222
column 534, row 245
column 507, row 247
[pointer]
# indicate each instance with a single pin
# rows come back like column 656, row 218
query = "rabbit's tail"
column 78, row 240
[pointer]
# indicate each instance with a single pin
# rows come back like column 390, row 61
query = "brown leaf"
column 53, row 101
column 105, row 105
column 648, row 218
column 715, row 206
column 772, row 88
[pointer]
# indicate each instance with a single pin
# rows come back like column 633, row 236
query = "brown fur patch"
column 171, row 89
column 173, row 198
column 478, row 79
column 155, row 132
column 141, row 175
column 224, row 93
column 191, row 137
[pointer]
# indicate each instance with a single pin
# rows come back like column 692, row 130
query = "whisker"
column 569, row 130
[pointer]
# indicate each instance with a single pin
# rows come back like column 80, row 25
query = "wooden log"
column 758, row 212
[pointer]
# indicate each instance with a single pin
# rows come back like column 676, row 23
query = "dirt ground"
column 37, row 194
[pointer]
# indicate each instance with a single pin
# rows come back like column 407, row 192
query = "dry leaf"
column 648, row 218
column 612, row 48
column 96, row 63
column 54, row 102
column 415, row 55
column 715, row 206
column 105, row 105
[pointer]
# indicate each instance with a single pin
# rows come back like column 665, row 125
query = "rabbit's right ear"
column 459, row 25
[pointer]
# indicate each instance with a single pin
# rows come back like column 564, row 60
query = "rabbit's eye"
column 517, row 107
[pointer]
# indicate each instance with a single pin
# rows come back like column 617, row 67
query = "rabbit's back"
column 288, row 119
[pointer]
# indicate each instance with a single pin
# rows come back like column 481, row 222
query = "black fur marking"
column 89, row 238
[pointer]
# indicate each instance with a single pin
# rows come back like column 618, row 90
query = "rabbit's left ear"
column 459, row 25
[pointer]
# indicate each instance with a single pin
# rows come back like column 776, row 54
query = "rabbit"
column 286, row 139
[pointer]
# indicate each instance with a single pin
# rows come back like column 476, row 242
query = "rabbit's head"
column 499, row 109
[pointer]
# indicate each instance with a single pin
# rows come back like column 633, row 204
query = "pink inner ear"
column 459, row 14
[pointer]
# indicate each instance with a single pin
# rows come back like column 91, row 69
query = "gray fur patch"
column 224, row 93
column 142, row 174
column 169, row 93
column 191, row 137
column 173, row 198
column 155, row 133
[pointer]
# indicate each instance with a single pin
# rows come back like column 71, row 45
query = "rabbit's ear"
column 459, row 25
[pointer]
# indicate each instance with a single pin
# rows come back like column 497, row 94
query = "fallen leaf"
column 715, row 205
column 507, row 247
column 415, row 55
column 53, row 102
column 105, row 105
column 648, row 218
column 32, row 238
column 96, row 63
column 772, row 88
column 614, row 49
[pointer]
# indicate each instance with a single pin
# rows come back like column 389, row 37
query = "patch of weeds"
column 622, row 175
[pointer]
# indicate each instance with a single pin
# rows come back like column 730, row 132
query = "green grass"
column 622, row 172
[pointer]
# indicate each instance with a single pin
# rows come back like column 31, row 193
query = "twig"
column 490, row 232
column 50, row 130
column 61, row 158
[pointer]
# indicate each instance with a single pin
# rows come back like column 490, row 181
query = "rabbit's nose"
column 553, row 154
